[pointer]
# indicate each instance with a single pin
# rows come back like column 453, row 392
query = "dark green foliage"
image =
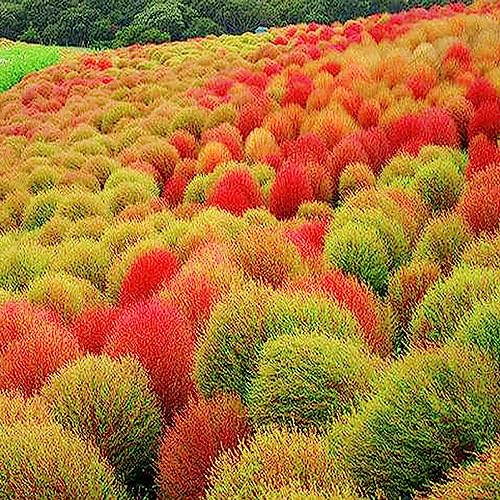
column 101, row 24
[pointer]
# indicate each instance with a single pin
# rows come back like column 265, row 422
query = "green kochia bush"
column 228, row 353
column 63, row 293
column 41, row 209
column 225, row 359
column 308, row 379
column 84, row 258
column 359, row 250
column 431, row 412
column 481, row 328
column 447, row 301
column 440, row 183
column 278, row 464
column 110, row 403
column 481, row 479
column 45, row 461
column 21, row 263
column 294, row 313
column 443, row 241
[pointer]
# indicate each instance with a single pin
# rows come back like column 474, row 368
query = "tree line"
column 115, row 23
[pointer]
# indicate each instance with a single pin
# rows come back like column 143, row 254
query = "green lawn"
column 18, row 59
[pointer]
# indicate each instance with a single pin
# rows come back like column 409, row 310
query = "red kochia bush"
column 26, row 362
column 93, row 326
column 356, row 297
column 290, row 188
column 173, row 190
column 202, row 431
column 298, row 89
column 228, row 135
column 20, row 317
column 147, row 275
column 482, row 153
column 236, row 191
column 195, row 294
column 480, row 203
column 486, row 120
column 309, row 238
column 481, row 91
column 184, row 142
column 158, row 335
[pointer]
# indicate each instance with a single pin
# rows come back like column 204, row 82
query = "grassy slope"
column 17, row 59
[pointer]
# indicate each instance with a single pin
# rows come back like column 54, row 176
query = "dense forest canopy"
column 108, row 23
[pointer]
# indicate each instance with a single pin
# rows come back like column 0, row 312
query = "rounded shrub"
column 160, row 338
column 40, row 209
column 266, row 256
column 443, row 241
column 27, row 361
column 308, row 379
column 21, row 263
column 236, row 191
column 63, row 293
column 481, row 328
column 203, row 430
column 16, row 408
column 354, row 177
column 290, row 189
column 147, row 275
column 483, row 252
column 389, row 228
column 17, row 317
column 480, row 203
column 80, row 204
column 431, row 412
column 480, row 479
column 84, row 258
column 445, row 303
column 123, row 261
column 226, row 356
column 440, row 183
column 45, row 461
column 92, row 327
column 407, row 287
column 110, row 403
column 276, row 462
column 299, row 312
column 358, row 250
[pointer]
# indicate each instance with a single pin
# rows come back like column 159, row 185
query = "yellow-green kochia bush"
column 225, row 358
column 63, row 293
column 279, row 463
column 480, row 479
column 481, row 328
column 41, row 208
column 308, row 379
column 45, row 461
column 110, row 403
column 431, row 412
column 436, row 318
column 440, row 183
column 359, row 250
column 443, row 241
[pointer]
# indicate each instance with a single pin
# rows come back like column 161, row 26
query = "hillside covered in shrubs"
column 256, row 267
